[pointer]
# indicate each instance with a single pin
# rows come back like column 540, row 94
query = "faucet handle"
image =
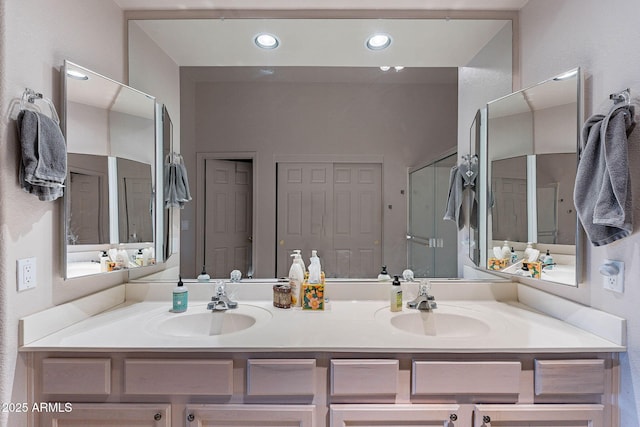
column 221, row 288
column 425, row 287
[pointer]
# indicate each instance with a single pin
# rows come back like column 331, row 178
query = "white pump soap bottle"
column 315, row 268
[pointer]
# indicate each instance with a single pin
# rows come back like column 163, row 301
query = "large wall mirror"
column 317, row 126
column 110, row 200
column 532, row 157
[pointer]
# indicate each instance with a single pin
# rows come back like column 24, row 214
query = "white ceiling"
column 321, row 42
column 424, row 43
column 322, row 4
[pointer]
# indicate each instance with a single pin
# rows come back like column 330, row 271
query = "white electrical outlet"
column 614, row 282
column 26, row 272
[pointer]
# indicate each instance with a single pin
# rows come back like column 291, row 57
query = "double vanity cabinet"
column 355, row 364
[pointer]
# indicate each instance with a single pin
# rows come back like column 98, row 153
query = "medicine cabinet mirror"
column 532, row 155
column 110, row 200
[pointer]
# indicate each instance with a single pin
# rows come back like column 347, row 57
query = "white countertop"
column 346, row 326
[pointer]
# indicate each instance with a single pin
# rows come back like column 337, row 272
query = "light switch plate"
column 26, row 273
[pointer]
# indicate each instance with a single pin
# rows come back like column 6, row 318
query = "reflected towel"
column 43, row 169
column 469, row 173
column 602, row 192
column 461, row 177
column 176, row 184
column 454, row 199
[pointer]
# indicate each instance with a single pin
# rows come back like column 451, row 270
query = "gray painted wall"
column 403, row 123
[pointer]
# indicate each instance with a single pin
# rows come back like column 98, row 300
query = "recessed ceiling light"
column 75, row 74
column 266, row 41
column 378, row 41
column 566, row 75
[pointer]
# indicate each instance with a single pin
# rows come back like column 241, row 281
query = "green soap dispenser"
column 180, row 297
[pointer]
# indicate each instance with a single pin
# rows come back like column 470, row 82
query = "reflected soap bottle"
column 547, row 261
column 506, row 251
column 104, row 259
column 384, row 275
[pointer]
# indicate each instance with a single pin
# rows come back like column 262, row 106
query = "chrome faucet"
column 220, row 301
column 424, row 301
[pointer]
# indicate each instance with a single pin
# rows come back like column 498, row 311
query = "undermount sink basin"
column 441, row 322
column 200, row 322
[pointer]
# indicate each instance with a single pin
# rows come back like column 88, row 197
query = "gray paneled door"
column 228, row 216
column 335, row 208
column 85, row 219
column 138, row 227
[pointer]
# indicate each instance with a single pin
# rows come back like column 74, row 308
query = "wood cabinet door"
column 551, row 415
column 233, row 415
column 108, row 415
column 390, row 415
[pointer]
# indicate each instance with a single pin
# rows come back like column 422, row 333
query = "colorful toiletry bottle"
column 296, row 279
column 384, row 276
column 139, row 258
column 180, row 297
column 514, row 256
column 396, row 295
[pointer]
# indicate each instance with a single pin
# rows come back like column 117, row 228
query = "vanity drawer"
column 578, row 376
column 178, row 377
column 76, row 376
column 364, row 377
column 281, row 377
column 455, row 378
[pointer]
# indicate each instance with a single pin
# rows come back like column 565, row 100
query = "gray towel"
column 602, row 192
column 43, row 169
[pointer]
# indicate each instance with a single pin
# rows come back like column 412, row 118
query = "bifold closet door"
column 335, row 208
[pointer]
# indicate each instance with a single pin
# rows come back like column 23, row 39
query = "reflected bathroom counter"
column 480, row 323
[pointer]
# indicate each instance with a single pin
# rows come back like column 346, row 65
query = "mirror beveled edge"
column 157, row 167
column 485, row 194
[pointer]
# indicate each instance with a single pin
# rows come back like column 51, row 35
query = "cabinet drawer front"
column 211, row 415
column 76, row 376
column 178, row 377
column 281, row 377
column 465, row 378
column 110, row 415
column 365, row 377
column 539, row 415
column 398, row 415
column 569, row 377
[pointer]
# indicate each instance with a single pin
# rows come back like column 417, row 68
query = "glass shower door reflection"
column 432, row 241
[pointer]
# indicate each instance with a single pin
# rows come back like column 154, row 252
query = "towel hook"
column 624, row 96
column 30, row 96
